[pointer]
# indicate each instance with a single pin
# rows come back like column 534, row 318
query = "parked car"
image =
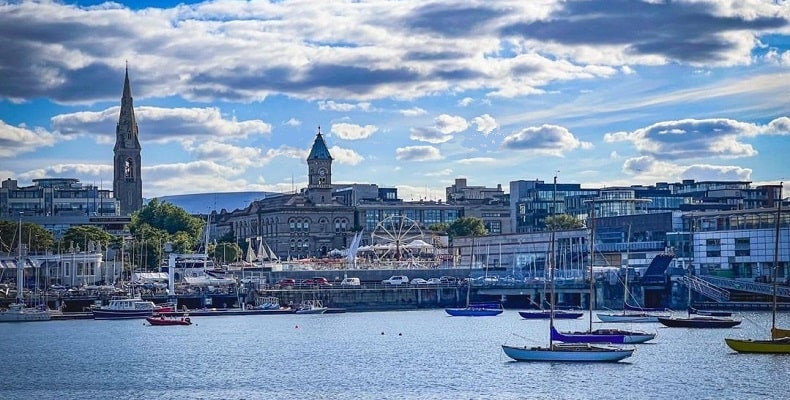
column 419, row 281
column 434, row 281
column 316, row 281
column 448, row 280
column 286, row 282
column 350, row 282
column 396, row 280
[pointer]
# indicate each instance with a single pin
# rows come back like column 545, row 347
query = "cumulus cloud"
column 546, row 139
column 17, row 140
column 448, row 124
column 293, row 122
column 466, row 101
column 654, row 169
column 345, row 156
column 331, row 105
column 485, row 124
column 698, row 138
column 417, row 153
column 352, row 131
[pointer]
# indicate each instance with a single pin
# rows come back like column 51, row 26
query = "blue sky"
column 409, row 94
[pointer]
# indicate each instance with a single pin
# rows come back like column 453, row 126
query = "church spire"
column 127, row 163
column 127, row 89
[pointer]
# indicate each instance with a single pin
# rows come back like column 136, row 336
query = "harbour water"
column 377, row 355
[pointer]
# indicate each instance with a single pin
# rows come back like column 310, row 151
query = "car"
column 350, row 282
column 448, row 280
column 434, row 281
column 419, row 281
column 396, row 280
column 286, row 282
column 316, row 281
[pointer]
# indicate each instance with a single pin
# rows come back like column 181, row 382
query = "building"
column 55, row 197
column 307, row 224
column 127, row 164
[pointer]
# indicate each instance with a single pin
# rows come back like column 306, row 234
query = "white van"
column 396, row 280
column 349, row 282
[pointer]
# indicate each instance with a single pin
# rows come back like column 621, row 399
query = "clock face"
column 321, row 172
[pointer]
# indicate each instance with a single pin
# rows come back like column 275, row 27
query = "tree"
column 81, row 235
column 439, row 227
column 158, row 223
column 225, row 252
column 34, row 236
column 563, row 222
column 467, row 226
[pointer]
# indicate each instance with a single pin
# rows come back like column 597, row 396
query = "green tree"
column 467, row 226
column 225, row 252
column 81, row 235
column 160, row 222
column 439, row 227
column 34, row 236
column 563, row 222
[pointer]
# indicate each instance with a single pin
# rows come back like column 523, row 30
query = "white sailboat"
column 19, row 312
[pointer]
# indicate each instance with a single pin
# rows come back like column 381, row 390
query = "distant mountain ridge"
column 205, row 203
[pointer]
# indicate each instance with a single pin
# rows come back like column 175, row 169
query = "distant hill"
column 204, row 203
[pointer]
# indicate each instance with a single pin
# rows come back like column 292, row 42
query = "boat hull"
column 614, row 336
column 699, row 322
column 25, row 316
column 566, row 353
column 547, row 314
column 161, row 321
column 319, row 310
column 692, row 310
column 472, row 312
column 117, row 314
column 626, row 318
column 781, row 346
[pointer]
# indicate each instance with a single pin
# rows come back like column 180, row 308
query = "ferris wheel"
column 397, row 238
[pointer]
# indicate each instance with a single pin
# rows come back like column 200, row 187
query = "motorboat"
column 161, row 320
column 614, row 336
column 125, row 308
column 311, row 307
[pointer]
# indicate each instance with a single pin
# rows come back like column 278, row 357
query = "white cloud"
column 417, row 153
column 17, row 140
column 485, row 124
column 353, row 132
column 345, row 156
column 448, row 124
column 466, row 101
column 293, row 122
column 546, row 139
column 413, row 112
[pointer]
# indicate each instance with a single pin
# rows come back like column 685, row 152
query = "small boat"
column 629, row 317
column 692, row 310
column 311, row 307
column 568, row 352
column 614, row 336
column 17, row 312
column 546, row 314
column 168, row 321
column 125, row 308
column 701, row 321
column 779, row 341
column 476, row 310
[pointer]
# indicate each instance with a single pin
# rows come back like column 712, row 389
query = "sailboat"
column 18, row 312
column 546, row 314
column 612, row 335
column 489, row 309
column 698, row 320
column 565, row 352
column 779, row 342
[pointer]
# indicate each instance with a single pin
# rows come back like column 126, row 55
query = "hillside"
column 203, row 203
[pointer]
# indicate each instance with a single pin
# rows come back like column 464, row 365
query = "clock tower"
column 319, row 171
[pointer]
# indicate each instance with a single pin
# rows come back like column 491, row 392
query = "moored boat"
column 546, row 314
column 701, row 321
column 614, row 336
column 692, row 310
column 125, row 308
column 17, row 312
column 311, row 307
column 629, row 317
column 476, row 310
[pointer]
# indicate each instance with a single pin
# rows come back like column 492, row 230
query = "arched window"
column 128, row 169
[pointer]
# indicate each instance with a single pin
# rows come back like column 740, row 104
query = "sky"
column 229, row 95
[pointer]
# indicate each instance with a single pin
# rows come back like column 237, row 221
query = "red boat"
column 162, row 320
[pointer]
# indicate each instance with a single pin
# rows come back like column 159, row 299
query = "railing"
column 754, row 287
column 706, row 288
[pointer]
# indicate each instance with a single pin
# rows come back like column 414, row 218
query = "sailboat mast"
column 551, row 293
column 776, row 255
column 626, row 294
column 20, row 267
column 592, row 259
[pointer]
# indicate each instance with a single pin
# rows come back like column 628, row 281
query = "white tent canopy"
column 419, row 244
